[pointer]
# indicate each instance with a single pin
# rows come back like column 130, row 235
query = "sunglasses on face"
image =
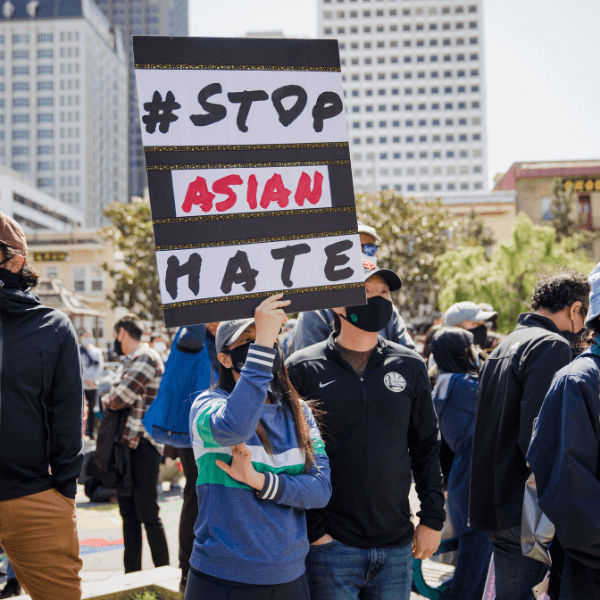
column 369, row 249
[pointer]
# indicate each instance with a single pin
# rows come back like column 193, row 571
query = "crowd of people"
column 300, row 440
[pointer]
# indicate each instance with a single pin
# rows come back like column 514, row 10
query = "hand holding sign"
column 269, row 317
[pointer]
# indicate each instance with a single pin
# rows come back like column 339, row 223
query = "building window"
column 45, row 70
column 20, row 166
column 21, row 86
column 45, row 53
column 20, row 70
column 20, row 102
column 45, row 85
column 45, row 133
column 21, row 38
column 44, row 37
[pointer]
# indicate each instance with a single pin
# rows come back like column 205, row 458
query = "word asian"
column 217, row 191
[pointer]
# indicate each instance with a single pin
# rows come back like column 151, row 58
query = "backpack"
column 186, row 375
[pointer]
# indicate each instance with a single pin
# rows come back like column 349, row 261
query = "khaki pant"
column 39, row 535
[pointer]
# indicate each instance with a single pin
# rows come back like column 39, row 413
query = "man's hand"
column 425, row 542
column 105, row 401
column 325, row 539
column 90, row 383
column 241, row 468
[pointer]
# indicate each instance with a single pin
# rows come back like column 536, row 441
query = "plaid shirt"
column 136, row 390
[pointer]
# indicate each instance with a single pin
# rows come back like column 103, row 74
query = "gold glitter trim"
column 274, row 213
column 183, row 67
column 287, row 292
column 256, row 165
column 254, row 147
column 280, row 238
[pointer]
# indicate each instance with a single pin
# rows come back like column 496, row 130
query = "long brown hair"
column 283, row 389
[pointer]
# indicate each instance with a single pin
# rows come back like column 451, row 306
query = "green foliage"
column 131, row 233
column 507, row 280
column 144, row 596
column 414, row 233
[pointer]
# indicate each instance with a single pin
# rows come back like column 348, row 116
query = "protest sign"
column 249, row 175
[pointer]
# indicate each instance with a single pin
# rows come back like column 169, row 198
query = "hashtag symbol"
column 160, row 112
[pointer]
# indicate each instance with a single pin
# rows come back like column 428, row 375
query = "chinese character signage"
column 50, row 256
column 249, row 175
column 582, row 185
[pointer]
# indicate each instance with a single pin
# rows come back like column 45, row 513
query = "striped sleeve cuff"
column 261, row 358
column 273, row 487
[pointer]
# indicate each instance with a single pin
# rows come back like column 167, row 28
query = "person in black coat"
column 513, row 383
column 565, row 458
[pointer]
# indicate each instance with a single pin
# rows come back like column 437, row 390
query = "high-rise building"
column 414, row 85
column 63, row 104
column 142, row 17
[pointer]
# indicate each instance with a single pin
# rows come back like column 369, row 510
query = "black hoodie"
column 41, row 398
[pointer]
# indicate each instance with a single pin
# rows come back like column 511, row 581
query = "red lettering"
column 275, row 191
column 251, row 193
column 198, row 195
column 303, row 191
column 221, row 186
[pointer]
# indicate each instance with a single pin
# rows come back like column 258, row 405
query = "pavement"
column 101, row 539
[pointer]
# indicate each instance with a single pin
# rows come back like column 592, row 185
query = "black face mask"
column 240, row 353
column 118, row 348
column 8, row 279
column 480, row 335
column 372, row 317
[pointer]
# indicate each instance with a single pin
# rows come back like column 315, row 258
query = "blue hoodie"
column 243, row 536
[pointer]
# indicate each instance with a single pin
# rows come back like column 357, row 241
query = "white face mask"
column 160, row 347
column 86, row 341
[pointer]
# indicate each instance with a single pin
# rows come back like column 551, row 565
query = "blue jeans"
column 472, row 563
column 515, row 574
column 339, row 572
column 10, row 572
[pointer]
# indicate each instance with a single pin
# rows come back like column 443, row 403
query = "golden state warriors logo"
column 394, row 381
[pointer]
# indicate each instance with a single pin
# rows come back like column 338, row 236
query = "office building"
column 142, row 17
column 414, row 84
column 63, row 108
column 32, row 208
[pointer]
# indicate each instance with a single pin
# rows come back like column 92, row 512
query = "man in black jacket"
column 378, row 423
column 513, row 383
column 41, row 414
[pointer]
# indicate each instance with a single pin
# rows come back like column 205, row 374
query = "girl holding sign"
column 261, row 464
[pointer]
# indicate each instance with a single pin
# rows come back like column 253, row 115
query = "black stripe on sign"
column 156, row 50
column 215, row 156
column 293, row 223
column 226, row 310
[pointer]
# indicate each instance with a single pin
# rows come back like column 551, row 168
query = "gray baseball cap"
column 466, row 311
column 229, row 331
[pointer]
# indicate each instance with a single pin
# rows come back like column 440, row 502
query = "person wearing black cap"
column 315, row 326
column 378, row 424
column 41, row 417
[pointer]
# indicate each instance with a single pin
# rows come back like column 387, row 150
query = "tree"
column 561, row 209
column 507, row 280
column 414, row 232
column 136, row 284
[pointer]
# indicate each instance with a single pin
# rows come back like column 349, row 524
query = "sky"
column 542, row 68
